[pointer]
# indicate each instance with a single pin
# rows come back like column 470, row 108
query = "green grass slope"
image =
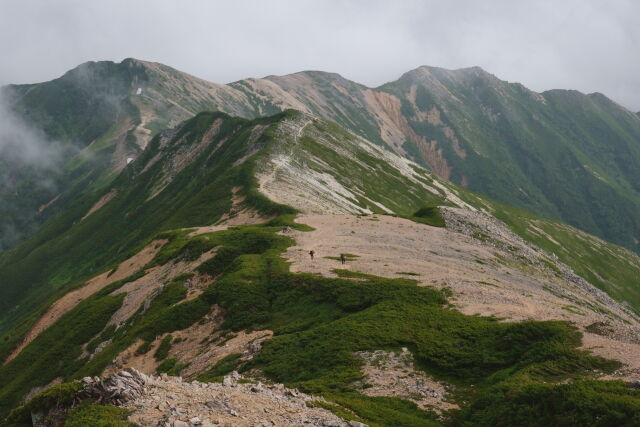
column 561, row 154
column 93, row 118
column 150, row 198
column 68, row 249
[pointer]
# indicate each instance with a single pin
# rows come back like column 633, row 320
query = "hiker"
column 343, row 258
column 311, row 253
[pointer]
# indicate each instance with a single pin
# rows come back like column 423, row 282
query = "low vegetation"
column 320, row 322
column 91, row 414
column 503, row 372
column 429, row 215
column 220, row 369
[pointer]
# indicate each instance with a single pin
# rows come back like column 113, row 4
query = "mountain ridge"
column 194, row 262
column 528, row 149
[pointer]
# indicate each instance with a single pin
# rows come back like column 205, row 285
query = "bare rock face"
column 116, row 389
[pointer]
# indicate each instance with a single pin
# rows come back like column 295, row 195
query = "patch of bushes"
column 163, row 349
column 383, row 411
column 171, row 367
column 92, row 414
column 57, row 396
column 579, row 403
column 599, row 328
column 107, row 334
column 319, row 323
column 429, row 215
column 143, row 348
column 56, row 351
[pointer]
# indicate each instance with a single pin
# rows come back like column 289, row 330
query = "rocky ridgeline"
column 171, row 402
column 492, row 232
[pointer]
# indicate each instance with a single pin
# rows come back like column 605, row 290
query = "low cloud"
column 22, row 145
column 29, row 164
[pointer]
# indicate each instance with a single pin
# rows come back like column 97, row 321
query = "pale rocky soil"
column 71, row 299
column 144, row 289
column 171, row 402
column 230, row 404
column 503, row 277
column 395, row 130
column 49, row 203
column 388, row 373
column 285, row 176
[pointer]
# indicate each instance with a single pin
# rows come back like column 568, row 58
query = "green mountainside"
column 561, row 154
column 98, row 116
column 151, row 195
column 190, row 175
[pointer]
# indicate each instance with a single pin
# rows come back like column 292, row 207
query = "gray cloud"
column 589, row 45
column 22, row 145
column 26, row 157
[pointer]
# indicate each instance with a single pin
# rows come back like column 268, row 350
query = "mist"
column 29, row 166
column 23, row 145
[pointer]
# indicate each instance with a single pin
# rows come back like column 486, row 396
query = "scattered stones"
column 387, row 373
column 196, row 404
column 493, row 232
column 213, row 404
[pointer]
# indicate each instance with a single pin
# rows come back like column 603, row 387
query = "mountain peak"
column 316, row 76
column 473, row 71
column 436, row 76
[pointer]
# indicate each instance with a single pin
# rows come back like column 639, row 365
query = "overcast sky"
column 589, row 45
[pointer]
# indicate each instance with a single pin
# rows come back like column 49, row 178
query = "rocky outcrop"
column 116, row 389
column 171, row 402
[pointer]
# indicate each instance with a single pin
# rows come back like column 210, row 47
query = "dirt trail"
column 484, row 279
column 71, row 299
